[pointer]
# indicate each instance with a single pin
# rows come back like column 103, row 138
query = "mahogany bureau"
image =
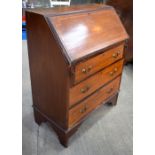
column 76, row 59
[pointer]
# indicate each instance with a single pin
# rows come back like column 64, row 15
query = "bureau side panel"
column 48, row 70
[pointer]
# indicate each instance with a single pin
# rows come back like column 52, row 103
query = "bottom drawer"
column 89, row 104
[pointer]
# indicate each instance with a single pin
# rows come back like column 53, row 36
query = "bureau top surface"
column 84, row 30
column 65, row 9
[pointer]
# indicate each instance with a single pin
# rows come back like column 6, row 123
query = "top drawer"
column 88, row 67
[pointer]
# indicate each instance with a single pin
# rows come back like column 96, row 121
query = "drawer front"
column 88, row 67
column 89, row 104
column 88, row 86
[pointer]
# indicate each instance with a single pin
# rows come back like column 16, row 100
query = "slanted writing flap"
column 81, row 34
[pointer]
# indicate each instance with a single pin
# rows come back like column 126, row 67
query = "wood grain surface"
column 84, row 33
column 49, row 83
column 94, row 82
column 86, row 68
column 89, row 104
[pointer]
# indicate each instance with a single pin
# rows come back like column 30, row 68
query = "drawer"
column 88, row 67
column 89, row 104
column 88, row 86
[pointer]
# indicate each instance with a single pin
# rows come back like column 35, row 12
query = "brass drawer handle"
column 84, row 109
column 113, row 72
column 115, row 55
column 110, row 90
column 115, row 69
column 85, row 71
column 85, row 89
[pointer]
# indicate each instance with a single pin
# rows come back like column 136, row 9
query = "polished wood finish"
column 124, row 9
column 60, row 43
column 96, row 81
column 44, row 75
column 77, row 32
column 89, row 104
column 88, row 67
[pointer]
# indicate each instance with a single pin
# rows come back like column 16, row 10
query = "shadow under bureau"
column 76, row 57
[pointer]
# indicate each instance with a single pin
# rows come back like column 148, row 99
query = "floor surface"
column 108, row 131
